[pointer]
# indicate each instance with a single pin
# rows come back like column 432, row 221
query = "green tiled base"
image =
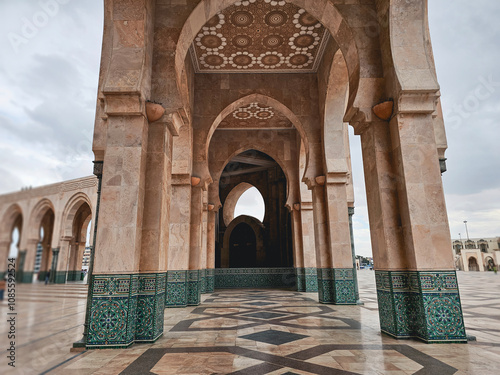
column 125, row 308
column 74, row 275
column 420, row 304
column 301, row 279
column 41, row 275
column 113, row 311
column 336, row 286
column 311, row 279
column 150, row 307
column 60, row 277
column 255, row 278
column 193, row 288
column 307, row 279
column 203, row 283
column 26, row 277
column 176, row 289
column 209, row 280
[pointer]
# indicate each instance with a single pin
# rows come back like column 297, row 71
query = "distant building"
column 476, row 254
column 86, row 258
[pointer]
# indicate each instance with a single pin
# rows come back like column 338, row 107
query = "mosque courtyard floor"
column 253, row 332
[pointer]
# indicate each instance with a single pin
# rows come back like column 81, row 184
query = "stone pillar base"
column 60, row 277
column 150, row 307
column 301, row 279
column 176, row 294
column 183, row 288
column 420, row 304
column 203, row 283
column 210, row 280
column 74, row 275
column 307, row 279
column 125, row 308
column 26, row 277
column 336, row 286
column 194, row 288
column 311, row 279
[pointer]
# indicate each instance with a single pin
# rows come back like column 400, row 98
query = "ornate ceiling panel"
column 255, row 116
column 260, row 36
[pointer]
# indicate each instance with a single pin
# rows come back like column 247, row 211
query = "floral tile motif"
column 336, row 285
column 203, row 283
column 209, row 280
column 176, row 289
column 150, row 307
column 301, row 279
column 113, row 311
column 311, row 279
column 193, row 288
column 255, row 278
column 420, row 304
column 124, row 309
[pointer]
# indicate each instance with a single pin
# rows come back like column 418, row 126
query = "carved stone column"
column 4, row 254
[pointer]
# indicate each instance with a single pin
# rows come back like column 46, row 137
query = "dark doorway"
column 242, row 247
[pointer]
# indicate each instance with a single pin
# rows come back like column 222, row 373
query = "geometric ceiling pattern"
column 255, row 116
column 260, row 36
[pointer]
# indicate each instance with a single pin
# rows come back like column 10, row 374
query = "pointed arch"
column 70, row 210
column 9, row 221
column 37, row 214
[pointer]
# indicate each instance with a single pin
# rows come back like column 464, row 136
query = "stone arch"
column 334, row 146
column 417, row 73
column 489, row 263
column 37, row 214
column 323, row 10
column 216, row 171
column 71, row 209
column 258, row 229
column 473, row 264
column 10, row 221
column 261, row 99
column 231, row 200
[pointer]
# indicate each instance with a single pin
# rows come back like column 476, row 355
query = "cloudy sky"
column 48, row 80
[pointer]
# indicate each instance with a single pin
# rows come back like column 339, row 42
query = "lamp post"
column 461, row 244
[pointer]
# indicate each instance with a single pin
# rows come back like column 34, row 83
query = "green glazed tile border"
column 336, row 286
column 420, row 304
column 255, row 278
column 60, row 277
column 194, row 288
column 176, row 288
column 125, row 308
column 209, row 280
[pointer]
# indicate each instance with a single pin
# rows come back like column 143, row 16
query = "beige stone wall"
column 63, row 200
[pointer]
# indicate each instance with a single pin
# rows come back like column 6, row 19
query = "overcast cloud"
column 48, row 87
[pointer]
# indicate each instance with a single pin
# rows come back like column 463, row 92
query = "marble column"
column 63, row 266
column 195, row 247
column 53, row 266
column 204, row 229
column 354, row 268
column 298, row 250
column 210, row 272
column 309, row 246
column 179, row 240
column 4, row 254
column 416, row 281
column 333, row 253
column 29, row 260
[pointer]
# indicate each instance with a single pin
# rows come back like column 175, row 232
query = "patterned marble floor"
column 254, row 332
